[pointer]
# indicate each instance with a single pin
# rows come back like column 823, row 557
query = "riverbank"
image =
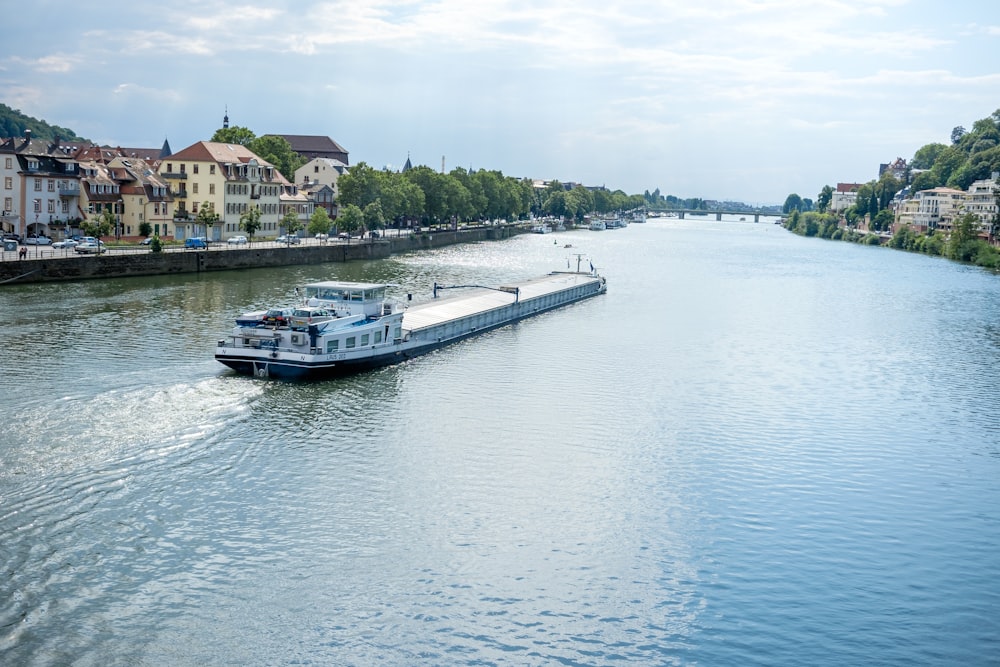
column 56, row 268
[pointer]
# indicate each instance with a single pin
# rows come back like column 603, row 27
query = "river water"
column 755, row 449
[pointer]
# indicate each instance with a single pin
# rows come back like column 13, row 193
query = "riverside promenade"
column 45, row 264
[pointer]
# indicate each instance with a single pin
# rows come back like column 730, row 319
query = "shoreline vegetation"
column 962, row 245
column 878, row 214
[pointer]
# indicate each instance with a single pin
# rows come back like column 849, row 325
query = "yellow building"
column 229, row 179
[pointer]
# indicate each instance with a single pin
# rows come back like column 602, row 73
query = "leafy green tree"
column 350, row 220
column 964, row 237
column 319, row 222
column 373, row 216
column 240, row 136
column 793, row 202
column 145, row 229
column 99, row 226
column 882, row 222
column 290, row 222
column 250, row 221
column 207, row 217
column 278, row 152
column 925, row 180
column 957, row 133
column 926, row 155
column 824, row 198
column 359, row 186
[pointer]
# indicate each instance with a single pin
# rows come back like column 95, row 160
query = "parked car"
column 303, row 316
column 286, row 239
column 322, row 237
column 344, row 236
column 68, row 243
column 237, row 240
column 37, row 240
column 277, row 317
column 90, row 247
column 196, row 242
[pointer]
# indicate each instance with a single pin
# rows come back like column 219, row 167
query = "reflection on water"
column 755, row 448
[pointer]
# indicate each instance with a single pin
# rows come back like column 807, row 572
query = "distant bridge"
column 681, row 213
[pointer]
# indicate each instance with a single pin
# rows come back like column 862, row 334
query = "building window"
column 194, row 188
column 8, row 204
column 52, row 206
column 8, row 183
column 211, row 169
column 211, row 188
column 38, row 185
column 8, row 163
column 52, row 185
column 38, row 205
column 195, row 167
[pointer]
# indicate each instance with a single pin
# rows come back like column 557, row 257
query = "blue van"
column 196, row 242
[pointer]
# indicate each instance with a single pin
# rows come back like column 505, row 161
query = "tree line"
column 424, row 196
column 13, row 123
column 972, row 156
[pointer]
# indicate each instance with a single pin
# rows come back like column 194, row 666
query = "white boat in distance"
column 367, row 330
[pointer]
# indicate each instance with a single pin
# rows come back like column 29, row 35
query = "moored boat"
column 365, row 329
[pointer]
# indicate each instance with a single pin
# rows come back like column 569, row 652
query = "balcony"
column 174, row 174
column 69, row 192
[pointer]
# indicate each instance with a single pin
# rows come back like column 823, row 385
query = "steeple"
column 225, row 119
column 408, row 166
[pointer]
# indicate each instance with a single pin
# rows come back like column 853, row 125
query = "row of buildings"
column 50, row 187
column 935, row 208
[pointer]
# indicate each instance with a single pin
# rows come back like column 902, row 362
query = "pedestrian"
column 23, row 252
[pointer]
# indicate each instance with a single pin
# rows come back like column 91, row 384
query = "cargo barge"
column 347, row 327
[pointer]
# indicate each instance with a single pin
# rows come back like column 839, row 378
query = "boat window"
column 364, row 339
column 378, row 337
column 350, row 342
column 332, row 346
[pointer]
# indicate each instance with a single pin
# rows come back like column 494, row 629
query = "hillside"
column 13, row 123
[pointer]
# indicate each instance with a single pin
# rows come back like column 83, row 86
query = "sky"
column 742, row 100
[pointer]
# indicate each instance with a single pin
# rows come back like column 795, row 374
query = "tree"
column 883, row 221
column 926, row 155
column 350, row 219
column 964, row 236
column 240, row 136
column 319, row 222
column 291, row 223
column 250, row 221
column 145, row 229
column 824, row 198
column 99, row 226
column 207, row 217
column 373, row 216
column 792, row 203
column 995, row 221
column 359, row 186
column 957, row 133
column 278, row 152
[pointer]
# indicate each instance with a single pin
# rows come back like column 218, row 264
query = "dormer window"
column 32, row 165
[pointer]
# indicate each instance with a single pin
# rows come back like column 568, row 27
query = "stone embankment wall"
column 57, row 267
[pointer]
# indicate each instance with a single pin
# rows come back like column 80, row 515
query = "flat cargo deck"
column 480, row 299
